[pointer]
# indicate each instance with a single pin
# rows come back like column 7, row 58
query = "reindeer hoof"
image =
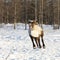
column 34, row 47
column 44, row 46
column 39, row 46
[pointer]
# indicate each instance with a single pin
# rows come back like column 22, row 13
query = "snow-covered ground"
column 16, row 44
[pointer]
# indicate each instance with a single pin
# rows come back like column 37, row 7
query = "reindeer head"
column 32, row 23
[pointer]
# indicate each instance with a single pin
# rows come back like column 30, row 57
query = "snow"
column 16, row 44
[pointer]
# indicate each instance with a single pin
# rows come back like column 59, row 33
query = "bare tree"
column 35, row 9
column 25, row 10
column 58, row 14
column 42, row 14
column 7, row 6
column 15, row 15
column 2, row 11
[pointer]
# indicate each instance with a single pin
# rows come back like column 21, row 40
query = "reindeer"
column 35, row 33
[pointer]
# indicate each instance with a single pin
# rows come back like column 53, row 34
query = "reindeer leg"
column 32, row 41
column 42, row 41
column 36, row 40
column 39, row 42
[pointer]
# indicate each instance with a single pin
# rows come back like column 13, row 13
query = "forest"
column 16, row 11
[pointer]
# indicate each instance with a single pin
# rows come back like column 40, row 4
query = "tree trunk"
column 7, row 15
column 36, row 10
column 25, row 3
column 58, row 14
column 15, row 17
column 42, row 15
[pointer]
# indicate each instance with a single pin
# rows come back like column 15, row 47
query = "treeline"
column 45, row 11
